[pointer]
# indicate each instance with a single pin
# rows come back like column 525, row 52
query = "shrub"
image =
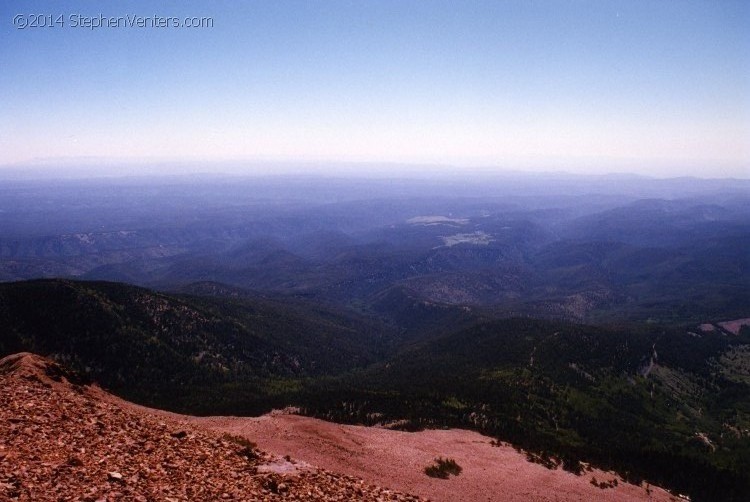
column 606, row 484
column 442, row 468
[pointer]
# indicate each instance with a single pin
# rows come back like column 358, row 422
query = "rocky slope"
column 63, row 441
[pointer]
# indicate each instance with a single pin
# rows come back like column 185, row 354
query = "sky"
column 660, row 88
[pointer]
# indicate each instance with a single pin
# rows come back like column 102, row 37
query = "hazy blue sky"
column 592, row 86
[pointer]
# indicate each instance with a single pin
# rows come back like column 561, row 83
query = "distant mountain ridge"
column 579, row 248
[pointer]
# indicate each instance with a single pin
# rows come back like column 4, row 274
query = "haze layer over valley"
column 558, row 246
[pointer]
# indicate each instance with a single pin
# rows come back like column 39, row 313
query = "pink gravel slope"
column 397, row 459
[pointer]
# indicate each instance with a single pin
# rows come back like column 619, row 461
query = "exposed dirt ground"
column 397, row 460
column 735, row 326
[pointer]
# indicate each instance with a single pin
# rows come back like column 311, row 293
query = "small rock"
column 74, row 462
column 115, row 476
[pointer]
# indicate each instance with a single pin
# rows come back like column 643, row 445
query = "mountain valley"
column 605, row 327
